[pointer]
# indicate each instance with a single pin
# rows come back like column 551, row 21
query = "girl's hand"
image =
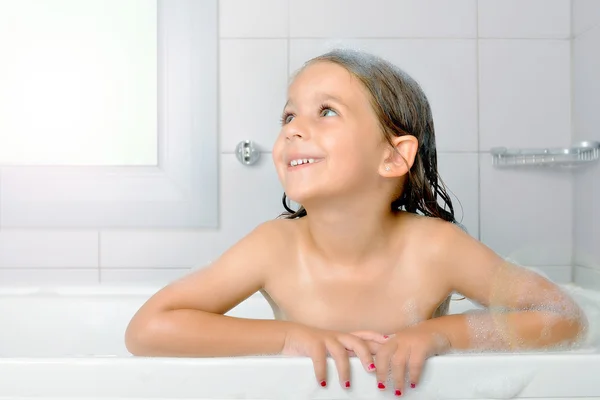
column 317, row 344
column 409, row 347
column 373, row 339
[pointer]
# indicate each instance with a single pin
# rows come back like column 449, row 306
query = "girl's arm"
column 525, row 310
column 185, row 318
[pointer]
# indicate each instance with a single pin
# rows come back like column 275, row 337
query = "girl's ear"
column 399, row 159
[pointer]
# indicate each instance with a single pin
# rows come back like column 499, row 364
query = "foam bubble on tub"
column 507, row 386
column 529, row 268
column 565, row 304
column 490, row 330
column 590, row 304
column 411, row 312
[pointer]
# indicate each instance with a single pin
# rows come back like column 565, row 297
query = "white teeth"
column 301, row 161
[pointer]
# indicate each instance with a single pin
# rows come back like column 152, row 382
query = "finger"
column 372, row 335
column 319, row 359
column 374, row 347
column 350, row 353
column 342, row 362
column 382, row 363
column 398, row 362
column 416, row 363
column 361, row 349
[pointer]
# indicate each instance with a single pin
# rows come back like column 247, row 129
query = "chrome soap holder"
column 247, row 153
column 580, row 153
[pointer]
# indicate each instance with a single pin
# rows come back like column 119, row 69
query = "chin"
column 297, row 197
column 301, row 195
column 311, row 195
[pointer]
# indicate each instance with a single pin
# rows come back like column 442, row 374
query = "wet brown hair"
column 402, row 109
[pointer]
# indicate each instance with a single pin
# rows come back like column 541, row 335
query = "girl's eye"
column 328, row 112
column 287, row 118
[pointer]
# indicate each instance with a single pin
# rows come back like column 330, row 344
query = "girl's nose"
column 294, row 135
column 296, row 131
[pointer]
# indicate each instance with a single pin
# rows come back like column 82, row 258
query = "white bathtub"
column 68, row 343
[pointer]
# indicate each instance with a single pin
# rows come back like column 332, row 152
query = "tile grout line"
column 468, row 152
column 572, row 137
column 586, row 30
column 46, row 268
column 477, row 77
column 218, row 121
column 446, row 38
column 288, row 40
column 99, row 256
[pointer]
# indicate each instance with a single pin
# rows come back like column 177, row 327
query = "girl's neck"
column 349, row 234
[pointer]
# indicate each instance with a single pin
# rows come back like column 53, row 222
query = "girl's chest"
column 385, row 304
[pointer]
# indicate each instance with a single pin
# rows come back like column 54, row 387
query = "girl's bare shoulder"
column 277, row 236
column 275, row 229
column 431, row 237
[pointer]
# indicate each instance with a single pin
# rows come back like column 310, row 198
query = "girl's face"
column 330, row 142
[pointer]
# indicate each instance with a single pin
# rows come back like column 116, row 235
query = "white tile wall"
column 586, row 14
column 48, row 276
column 252, row 90
column 587, row 278
column 147, row 276
column 525, row 93
column 155, row 249
column 250, row 195
column 526, row 215
column 587, row 217
column 586, row 84
column 253, row 19
column 525, row 19
column 383, row 18
column 586, row 100
column 512, row 90
column 459, row 171
column 48, row 248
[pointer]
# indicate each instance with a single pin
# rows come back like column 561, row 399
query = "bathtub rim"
column 162, row 377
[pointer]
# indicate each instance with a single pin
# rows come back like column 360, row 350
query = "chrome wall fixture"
column 579, row 154
column 247, row 153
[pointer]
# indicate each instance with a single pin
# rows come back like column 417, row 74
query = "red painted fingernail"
column 398, row 393
column 385, row 336
column 380, row 385
column 347, row 384
column 323, row 383
column 371, row 366
column 412, row 385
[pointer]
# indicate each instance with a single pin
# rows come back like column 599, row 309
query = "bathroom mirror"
column 108, row 113
column 79, row 82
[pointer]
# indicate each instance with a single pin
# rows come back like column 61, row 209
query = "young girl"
column 366, row 266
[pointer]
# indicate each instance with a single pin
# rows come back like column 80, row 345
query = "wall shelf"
column 579, row 154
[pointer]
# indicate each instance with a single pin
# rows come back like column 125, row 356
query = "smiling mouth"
column 303, row 162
